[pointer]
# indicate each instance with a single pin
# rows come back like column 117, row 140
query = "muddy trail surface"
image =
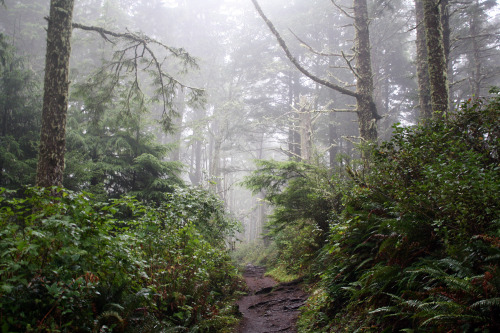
column 269, row 307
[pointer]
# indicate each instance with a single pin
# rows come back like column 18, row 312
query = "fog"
column 257, row 104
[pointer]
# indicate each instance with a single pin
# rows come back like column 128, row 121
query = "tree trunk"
column 474, row 57
column 50, row 167
column 177, row 137
column 293, row 122
column 332, row 139
column 366, row 108
column 424, row 93
column 438, row 76
column 445, row 23
column 305, row 131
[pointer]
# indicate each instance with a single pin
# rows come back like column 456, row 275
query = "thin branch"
column 342, row 10
column 350, row 66
column 295, row 62
column 312, row 50
column 336, row 110
column 339, row 80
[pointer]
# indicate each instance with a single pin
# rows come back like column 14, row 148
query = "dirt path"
column 269, row 307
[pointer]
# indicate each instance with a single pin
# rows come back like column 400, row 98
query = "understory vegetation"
column 407, row 240
column 70, row 263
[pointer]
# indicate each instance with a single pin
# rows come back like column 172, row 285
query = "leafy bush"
column 74, row 265
column 256, row 253
column 417, row 245
column 306, row 197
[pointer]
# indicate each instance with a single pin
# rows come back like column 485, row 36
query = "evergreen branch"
column 141, row 47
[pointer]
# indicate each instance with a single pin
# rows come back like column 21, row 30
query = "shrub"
column 69, row 264
column 417, row 245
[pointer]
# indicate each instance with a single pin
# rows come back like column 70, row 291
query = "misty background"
column 257, row 105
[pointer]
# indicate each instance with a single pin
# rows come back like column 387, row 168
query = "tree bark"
column 474, row 56
column 332, row 139
column 305, row 131
column 445, row 23
column 424, row 93
column 293, row 121
column 50, row 168
column 438, row 76
column 366, row 108
column 177, row 137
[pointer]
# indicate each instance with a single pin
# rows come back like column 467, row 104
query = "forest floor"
column 268, row 306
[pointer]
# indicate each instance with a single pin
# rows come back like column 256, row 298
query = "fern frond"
column 494, row 258
column 384, row 309
column 487, row 303
column 104, row 319
column 451, row 318
column 455, row 266
column 363, row 263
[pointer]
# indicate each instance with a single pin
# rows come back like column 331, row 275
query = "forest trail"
column 269, row 307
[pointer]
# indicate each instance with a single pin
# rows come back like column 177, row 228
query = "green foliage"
column 432, row 203
column 306, row 199
column 281, row 274
column 204, row 210
column 20, row 103
column 111, row 152
column 416, row 246
column 72, row 264
column 255, row 253
column 298, row 190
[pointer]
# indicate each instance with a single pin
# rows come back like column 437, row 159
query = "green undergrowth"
column 281, row 274
column 255, row 253
column 69, row 263
column 259, row 254
column 412, row 242
column 278, row 266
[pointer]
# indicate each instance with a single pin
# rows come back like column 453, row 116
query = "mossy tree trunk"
column 475, row 57
column 438, row 76
column 445, row 23
column 50, row 167
column 366, row 109
column 424, row 93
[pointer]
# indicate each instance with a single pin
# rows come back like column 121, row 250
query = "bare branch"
column 346, row 84
column 294, row 60
column 350, row 66
column 342, row 10
column 312, row 50
column 335, row 110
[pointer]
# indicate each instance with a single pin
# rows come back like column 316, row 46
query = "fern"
column 451, row 318
column 487, row 304
column 108, row 318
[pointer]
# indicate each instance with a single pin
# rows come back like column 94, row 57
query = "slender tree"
column 366, row 109
column 424, row 93
column 438, row 77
